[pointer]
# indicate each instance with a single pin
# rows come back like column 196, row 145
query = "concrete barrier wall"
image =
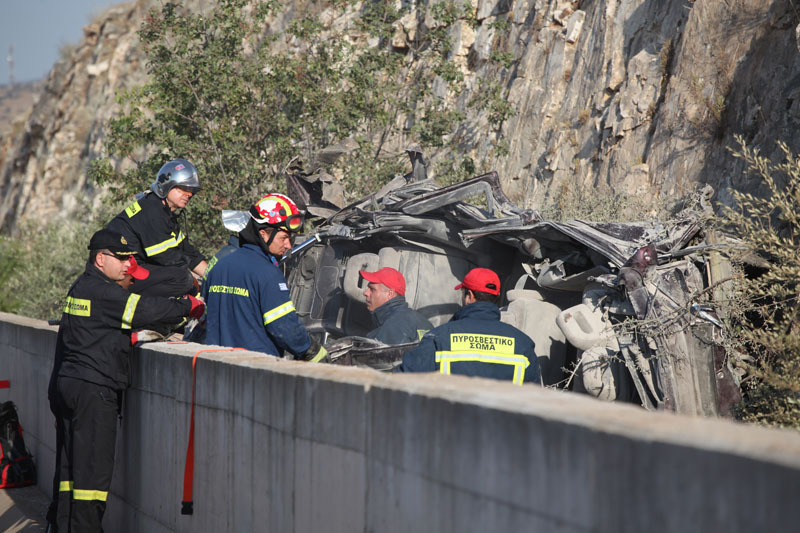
column 283, row 446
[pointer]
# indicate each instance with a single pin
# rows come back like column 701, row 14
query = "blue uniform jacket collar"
column 382, row 313
column 260, row 252
column 478, row 311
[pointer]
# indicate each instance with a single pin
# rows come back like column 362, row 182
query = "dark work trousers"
column 165, row 281
column 86, row 421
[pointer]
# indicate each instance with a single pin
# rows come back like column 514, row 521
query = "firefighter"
column 150, row 224
column 248, row 304
column 475, row 342
column 91, row 371
column 385, row 295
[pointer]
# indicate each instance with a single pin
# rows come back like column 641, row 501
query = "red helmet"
column 278, row 211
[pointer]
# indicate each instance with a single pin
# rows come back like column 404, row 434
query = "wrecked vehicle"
column 618, row 311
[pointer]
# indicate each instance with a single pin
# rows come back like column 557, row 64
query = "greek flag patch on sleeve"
column 283, row 287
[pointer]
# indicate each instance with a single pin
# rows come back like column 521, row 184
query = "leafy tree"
column 240, row 102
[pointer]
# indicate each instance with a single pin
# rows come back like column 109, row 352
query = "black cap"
column 105, row 239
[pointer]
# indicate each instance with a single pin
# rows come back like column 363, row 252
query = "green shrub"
column 766, row 321
column 46, row 262
column 10, row 266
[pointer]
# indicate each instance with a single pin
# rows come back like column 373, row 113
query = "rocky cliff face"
column 637, row 96
column 43, row 168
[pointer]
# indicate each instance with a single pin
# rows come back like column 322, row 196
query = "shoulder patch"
column 283, row 287
column 78, row 306
column 132, row 209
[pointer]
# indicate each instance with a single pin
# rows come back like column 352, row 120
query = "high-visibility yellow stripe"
column 172, row 242
column 482, row 356
column 65, row 486
column 519, row 362
column 281, row 310
column 78, row 307
column 421, row 333
column 519, row 374
column 130, row 309
column 100, row 495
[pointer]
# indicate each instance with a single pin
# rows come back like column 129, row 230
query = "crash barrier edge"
column 291, row 446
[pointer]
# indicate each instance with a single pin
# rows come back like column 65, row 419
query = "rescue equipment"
column 17, row 468
column 187, row 504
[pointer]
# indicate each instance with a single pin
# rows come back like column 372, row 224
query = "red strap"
column 188, row 471
column 5, row 384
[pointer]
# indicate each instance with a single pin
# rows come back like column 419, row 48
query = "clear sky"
column 38, row 29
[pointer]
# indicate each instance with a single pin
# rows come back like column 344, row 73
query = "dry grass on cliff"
column 580, row 202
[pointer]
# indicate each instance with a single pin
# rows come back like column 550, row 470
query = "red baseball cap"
column 389, row 277
column 137, row 271
column 481, row 280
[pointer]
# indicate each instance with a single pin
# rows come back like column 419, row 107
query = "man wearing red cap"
column 135, row 272
column 475, row 342
column 397, row 323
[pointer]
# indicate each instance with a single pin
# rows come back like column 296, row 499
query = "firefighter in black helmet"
column 150, row 224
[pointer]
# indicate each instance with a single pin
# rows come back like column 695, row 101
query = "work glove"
column 198, row 307
column 320, row 356
column 316, row 353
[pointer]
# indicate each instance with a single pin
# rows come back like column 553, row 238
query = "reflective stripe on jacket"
column 94, row 338
column 398, row 323
column 248, row 305
column 153, row 231
column 476, row 343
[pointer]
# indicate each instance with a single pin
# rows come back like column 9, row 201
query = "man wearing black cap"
column 92, row 370
column 385, row 295
column 475, row 342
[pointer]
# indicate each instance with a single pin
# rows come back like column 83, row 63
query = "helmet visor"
column 293, row 223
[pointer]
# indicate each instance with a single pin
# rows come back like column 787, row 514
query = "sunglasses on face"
column 126, row 257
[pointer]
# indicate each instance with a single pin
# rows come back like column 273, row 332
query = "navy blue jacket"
column 397, row 323
column 228, row 249
column 248, row 305
column 476, row 343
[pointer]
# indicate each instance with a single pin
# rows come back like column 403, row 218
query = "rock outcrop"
column 43, row 170
column 637, row 96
